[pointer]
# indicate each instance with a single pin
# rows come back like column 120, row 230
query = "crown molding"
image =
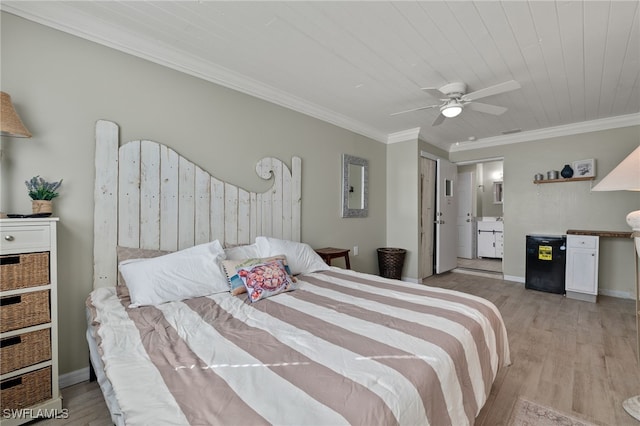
column 71, row 21
column 551, row 132
column 403, row 135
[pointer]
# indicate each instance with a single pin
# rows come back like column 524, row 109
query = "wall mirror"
column 355, row 186
column 497, row 192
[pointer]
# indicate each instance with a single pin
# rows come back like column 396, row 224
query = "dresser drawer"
column 24, row 310
column 25, row 390
column 582, row 241
column 26, row 349
column 23, row 270
column 15, row 239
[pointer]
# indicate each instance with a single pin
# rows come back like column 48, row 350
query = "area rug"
column 527, row 413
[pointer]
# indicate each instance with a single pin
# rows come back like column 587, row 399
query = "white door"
column 446, row 212
column 465, row 219
column 427, row 215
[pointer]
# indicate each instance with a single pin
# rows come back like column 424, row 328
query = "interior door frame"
column 479, row 161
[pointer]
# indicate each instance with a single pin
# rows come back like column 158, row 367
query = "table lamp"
column 626, row 177
column 10, row 123
column 10, row 126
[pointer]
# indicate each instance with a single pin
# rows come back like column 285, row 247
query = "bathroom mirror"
column 355, row 183
column 497, row 192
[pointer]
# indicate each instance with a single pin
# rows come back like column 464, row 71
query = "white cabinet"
column 490, row 239
column 581, row 280
column 29, row 321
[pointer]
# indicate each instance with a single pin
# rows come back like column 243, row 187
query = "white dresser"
column 28, row 321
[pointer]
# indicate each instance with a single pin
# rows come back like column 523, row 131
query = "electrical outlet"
column 355, row 250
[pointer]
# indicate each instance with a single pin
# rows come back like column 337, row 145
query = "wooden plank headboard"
column 148, row 196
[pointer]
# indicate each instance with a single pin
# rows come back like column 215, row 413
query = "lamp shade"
column 10, row 123
column 625, row 177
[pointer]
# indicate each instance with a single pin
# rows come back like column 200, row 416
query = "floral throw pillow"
column 236, row 285
column 264, row 278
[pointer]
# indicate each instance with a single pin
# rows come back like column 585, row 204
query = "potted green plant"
column 41, row 193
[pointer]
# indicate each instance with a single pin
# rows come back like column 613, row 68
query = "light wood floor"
column 577, row 357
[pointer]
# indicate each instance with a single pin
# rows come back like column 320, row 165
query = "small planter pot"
column 41, row 206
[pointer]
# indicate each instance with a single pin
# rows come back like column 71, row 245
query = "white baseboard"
column 514, row 278
column 617, row 293
column 74, row 377
column 603, row 291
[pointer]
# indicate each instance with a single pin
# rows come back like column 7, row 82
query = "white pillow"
column 242, row 252
column 187, row 273
column 300, row 256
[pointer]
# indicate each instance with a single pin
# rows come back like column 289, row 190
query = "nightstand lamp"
column 626, row 177
column 10, row 126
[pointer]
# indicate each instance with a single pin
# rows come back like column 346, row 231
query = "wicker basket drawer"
column 24, row 270
column 24, row 350
column 25, row 390
column 24, row 310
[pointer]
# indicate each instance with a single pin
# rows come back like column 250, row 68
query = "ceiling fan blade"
column 486, row 108
column 439, row 119
column 415, row 109
column 434, row 92
column 507, row 86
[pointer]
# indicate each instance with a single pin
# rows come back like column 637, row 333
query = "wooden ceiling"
column 355, row 63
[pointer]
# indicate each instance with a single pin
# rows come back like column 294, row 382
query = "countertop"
column 609, row 234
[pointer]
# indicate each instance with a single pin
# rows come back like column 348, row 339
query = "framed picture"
column 584, row 168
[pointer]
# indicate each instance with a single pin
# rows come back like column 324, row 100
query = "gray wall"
column 62, row 84
column 402, row 203
column 556, row 207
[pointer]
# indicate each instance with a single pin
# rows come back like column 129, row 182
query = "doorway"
column 480, row 216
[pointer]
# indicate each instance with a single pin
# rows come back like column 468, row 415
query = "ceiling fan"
column 454, row 99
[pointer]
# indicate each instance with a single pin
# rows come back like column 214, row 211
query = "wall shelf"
column 576, row 179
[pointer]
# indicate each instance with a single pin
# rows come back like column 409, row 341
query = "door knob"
column 9, row 237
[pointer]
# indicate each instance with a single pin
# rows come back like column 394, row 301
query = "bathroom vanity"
column 491, row 238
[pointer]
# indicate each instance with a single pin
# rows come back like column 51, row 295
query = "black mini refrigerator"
column 546, row 263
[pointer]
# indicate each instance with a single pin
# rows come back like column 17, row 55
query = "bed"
column 332, row 346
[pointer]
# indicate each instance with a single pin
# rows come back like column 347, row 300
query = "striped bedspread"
column 345, row 348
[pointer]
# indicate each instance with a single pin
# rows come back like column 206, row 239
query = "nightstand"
column 29, row 320
column 329, row 253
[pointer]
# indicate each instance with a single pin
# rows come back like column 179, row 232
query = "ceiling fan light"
column 451, row 110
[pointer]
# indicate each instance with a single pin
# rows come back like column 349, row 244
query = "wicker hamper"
column 391, row 261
